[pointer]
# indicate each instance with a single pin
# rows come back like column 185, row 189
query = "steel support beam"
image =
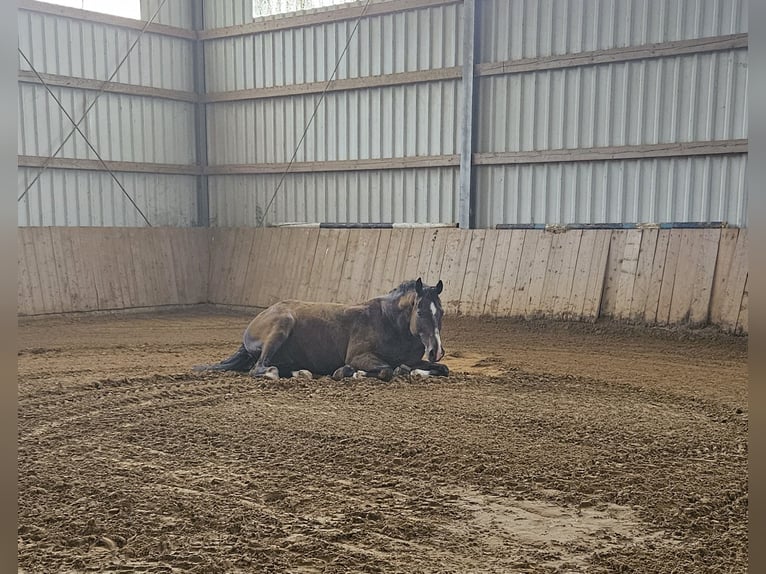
column 200, row 118
column 465, row 206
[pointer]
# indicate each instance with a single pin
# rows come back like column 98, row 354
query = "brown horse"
column 383, row 337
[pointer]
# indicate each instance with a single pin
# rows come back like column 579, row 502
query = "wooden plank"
column 378, row 282
column 626, row 277
column 274, row 271
column 571, row 248
column 505, row 299
column 409, row 162
column 537, row 278
column 34, row 301
column 342, row 84
column 722, row 274
column 582, row 269
column 357, row 270
column 453, row 267
column 479, row 299
column 24, row 289
column 402, row 258
column 743, row 320
column 651, row 306
column 29, row 77
column 107, row 165
column 198, row 264
column 495, row 283
column 291, row 250
column 601, row 153
column 467, row 291
column 318, row 18
column 126, row 273
column 736, row 285
column 706, row 249
column 519, row 298
column 550, row 279
column 245, row 247
column 144, row 277
column 594, row 291
column 621, row 54
column 326, row 246
column 668, row 276
column 345, row 293
column 614, row 261
column 257, row 270
column 432, row 272
column 389, row 278
column 412, row 267
column 47, row 277
column 307, row 274
column 60, row 259
column 334, row 274
column 642, row 281
column 680, row 302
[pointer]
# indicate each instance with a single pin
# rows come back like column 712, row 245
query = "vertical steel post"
column 200, row 118
column 466, row 216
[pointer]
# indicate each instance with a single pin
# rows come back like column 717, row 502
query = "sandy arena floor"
column 551, row 448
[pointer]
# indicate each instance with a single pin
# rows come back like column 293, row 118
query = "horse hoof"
column 360, row 374
column 386, row 374
column 302, row 374
column 420, row 373
column 265, row 372
column 402, row 371
column 343, row 372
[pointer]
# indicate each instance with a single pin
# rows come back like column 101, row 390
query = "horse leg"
column 423, row 369
column 269, row 347
column 370, row 365
column 343, row 372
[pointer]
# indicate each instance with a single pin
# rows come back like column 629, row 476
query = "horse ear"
column 419, row 287
column 439, row 287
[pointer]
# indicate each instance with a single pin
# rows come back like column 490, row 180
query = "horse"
column 398, row 333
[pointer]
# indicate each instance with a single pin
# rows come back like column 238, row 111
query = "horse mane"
column 403, row 288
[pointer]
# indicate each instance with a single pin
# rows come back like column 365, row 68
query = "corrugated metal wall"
column 416, row 119
column 588, row 111
column 76, row 53
column 699, row 97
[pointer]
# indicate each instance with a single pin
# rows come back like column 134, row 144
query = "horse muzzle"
column 436, row 354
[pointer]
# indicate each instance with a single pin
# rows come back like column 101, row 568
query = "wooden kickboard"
column 722, row 274
column 572, row 241
column 626, row 277
column 613, row 267
column 436, row 259
column 735, row 286
column 516, row 288
column 471, row 271
column 479, row 299
column 585, row 252
column 378, row 270
column 553, row 271
column 495, row 283
column 594, row 291
column 706, row 251
column 668, row 276
column 743, row 319
column 643, row 277
column 652, row 302
column 533, row 306
column 453, row 267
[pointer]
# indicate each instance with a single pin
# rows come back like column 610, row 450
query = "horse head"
column 426, row 319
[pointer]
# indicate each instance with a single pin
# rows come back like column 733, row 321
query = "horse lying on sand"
column 384, row 337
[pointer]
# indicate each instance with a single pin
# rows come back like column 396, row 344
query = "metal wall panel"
column 407, row 41
column 698, row 97
column 407, row 195
column 516, row 29
column 417, row 119
column 89, row 198
column 219, row 14
column 173, row 12
column 704, row 188
column 120, row 127
column 81, row 49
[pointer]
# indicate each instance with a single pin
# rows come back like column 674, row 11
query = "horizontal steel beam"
column 339, row 165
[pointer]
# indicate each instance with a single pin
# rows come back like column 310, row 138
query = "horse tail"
column 241, row 360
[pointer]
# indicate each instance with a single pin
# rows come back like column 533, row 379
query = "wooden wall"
column 669, row 276
column 653, row 276
column 63, row 269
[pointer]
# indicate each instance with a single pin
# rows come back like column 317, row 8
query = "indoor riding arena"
column 572, row 172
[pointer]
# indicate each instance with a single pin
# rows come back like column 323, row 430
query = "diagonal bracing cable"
column 90, row 106
column 313, row 114
column 87, row 141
